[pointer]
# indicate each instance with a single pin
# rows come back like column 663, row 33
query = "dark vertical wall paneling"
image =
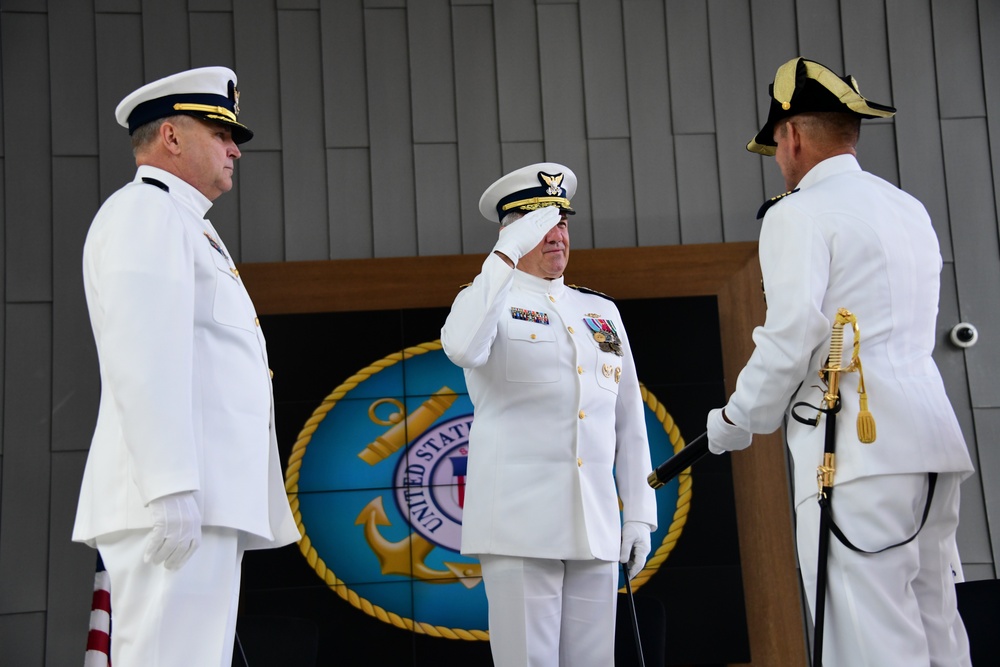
column 379, row 123
column 28, row 145
column 918, row 127
column 479, row 111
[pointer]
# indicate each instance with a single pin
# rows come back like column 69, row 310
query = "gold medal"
column 606, row 370
column 599, row 337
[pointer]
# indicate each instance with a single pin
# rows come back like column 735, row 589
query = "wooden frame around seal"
column 728, row 271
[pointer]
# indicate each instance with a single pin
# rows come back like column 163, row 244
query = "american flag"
column 99, row 638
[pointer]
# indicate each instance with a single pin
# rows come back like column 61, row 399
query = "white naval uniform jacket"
column 849, row 239
column 186, row 400
column 556, row 420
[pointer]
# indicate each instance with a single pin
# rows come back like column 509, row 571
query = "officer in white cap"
column 558, row 421
column 844, row 238
column 183, row 473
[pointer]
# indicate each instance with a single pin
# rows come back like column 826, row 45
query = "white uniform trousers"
column 547, row 613
column 898, row 607
column 173, row 618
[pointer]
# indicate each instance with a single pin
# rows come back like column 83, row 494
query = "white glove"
column 521, row 236
column 723, row 436
column 635, row 546
column 176, row 532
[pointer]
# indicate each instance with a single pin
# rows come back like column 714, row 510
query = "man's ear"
column 170, row 136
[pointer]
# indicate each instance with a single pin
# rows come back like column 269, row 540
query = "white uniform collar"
column 531, row 283
column 179, row 188
column 838, row 164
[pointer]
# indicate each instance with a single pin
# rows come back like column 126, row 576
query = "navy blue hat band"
column 201, row 104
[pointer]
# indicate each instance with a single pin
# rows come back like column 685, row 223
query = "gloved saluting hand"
column 176, row 532
column 521, row 236
column 723, row 436
column 635, row 546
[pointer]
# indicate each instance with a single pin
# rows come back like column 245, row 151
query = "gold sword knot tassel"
column 866, row 420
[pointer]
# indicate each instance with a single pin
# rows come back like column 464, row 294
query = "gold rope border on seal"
column 305, row 544
column 684, row 484
column 340, row 587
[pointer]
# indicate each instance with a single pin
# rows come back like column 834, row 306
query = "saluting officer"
column 844, row 238
column 183, row 473
column 558, row 419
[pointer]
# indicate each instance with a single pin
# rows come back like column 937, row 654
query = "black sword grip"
column 676, row 464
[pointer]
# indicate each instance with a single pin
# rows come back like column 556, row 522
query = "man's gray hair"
column 511, row 217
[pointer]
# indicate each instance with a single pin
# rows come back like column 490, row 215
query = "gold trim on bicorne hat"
column 802, row 85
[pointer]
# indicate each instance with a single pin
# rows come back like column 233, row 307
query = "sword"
column 635, row 619
column 679, row 462
column 825, row 472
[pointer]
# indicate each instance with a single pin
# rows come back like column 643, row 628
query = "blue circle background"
column 335, row 486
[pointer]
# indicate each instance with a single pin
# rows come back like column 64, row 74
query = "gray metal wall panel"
column 23, row 638
column 33, row 6
column 877, row 150
column 166, row 42
column 3, row 311
column 72, row 50
column 866, row 51
column 255, row 37
column 349, row 171
column 393, row 218
column 345, row 89
column 432, row 86
column 740, row 179
column 210, row 5
column 517, row 154
column 693, row 109
column 698, row 182
column 439, row 221
column 977, row 250
column 776, row 20
column 71, row 568
column 307, row 233
column 298, row 4
column 119, row 72
column 989, row 30
column 24, row 502
column 603, row 42
column 819, row 32
column 973, row 536
column 518, row 79
column 75, row 374
column 28, row 209
column 262, row 205
column 958, row 58
column 988, row 431
column 563, row 107
column 918, row 127
column 478, row 119
column 212, row 43
column 657, row 217
column 385, row 4
column 611, row 193
column 118, row 6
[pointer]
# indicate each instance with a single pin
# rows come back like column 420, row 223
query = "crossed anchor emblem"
column 407, row 556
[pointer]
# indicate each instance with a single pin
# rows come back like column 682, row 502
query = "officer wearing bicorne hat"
column 183, row 473
column 842, row 238
column 558, row 434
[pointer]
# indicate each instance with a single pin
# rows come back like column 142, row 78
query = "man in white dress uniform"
column 558, row 420
column 844, row 238
column 183, row 473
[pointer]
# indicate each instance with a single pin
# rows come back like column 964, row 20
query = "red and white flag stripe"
column 99, row 638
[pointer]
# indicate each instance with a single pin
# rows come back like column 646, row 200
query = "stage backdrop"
column 373, row 426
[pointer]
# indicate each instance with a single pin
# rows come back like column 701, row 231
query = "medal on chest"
column 605, row 334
